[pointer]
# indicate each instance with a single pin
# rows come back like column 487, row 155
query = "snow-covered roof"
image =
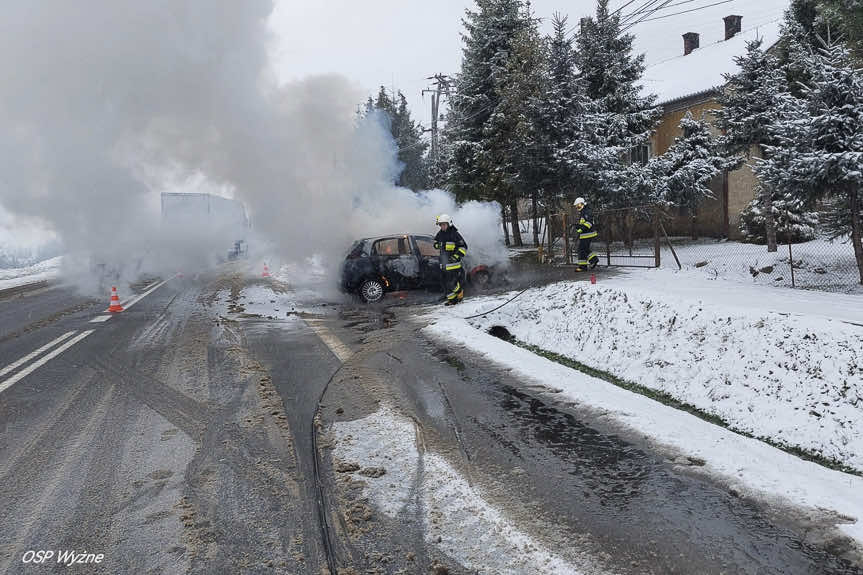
column 704, row 69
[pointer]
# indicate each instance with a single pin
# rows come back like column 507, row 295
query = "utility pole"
column 441, row 87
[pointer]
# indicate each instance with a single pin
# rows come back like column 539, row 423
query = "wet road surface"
column 179, row 437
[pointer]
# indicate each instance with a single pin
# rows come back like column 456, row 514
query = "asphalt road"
column 183, row 436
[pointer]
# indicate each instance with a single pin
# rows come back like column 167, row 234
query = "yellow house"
column 690, row 83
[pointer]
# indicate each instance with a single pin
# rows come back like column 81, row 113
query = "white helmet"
column 443, row 219
column 578, row 201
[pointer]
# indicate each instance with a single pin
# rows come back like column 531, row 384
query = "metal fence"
column 636, row 237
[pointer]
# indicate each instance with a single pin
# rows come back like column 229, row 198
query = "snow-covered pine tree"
column 560, row 113
column 794, row 223
column 476, row 127
column 682, row 174
column 611, row 77
column 521, row 86
column 411, row 145
column 831, row 19
column 793, row 214
column 830, row 158
column 748, row 109
column 407, row 135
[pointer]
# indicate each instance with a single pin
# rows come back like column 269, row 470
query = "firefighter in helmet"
column 586, row 230
column 452, row 250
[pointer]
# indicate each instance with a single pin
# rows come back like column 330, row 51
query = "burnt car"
column 375, row 266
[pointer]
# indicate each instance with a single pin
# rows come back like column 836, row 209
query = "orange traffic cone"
column 115, row 301
column 593, row 278
column 266, row 273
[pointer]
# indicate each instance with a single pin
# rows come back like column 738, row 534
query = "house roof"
column 703, row 71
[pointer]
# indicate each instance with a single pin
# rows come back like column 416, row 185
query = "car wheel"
column 482, row 279
column 372, row 291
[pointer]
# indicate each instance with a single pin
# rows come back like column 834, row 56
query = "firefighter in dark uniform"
column 452, row 249
column 586, row 230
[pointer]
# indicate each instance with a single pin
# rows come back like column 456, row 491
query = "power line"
column 681, row 3
column 687, row 11
column 645, row 15
column 644, row 8
column 622, row 7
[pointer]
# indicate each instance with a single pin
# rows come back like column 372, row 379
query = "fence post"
column 791, row 263
column 790, row 255
column 607, row 231
column 656, row 245
column 550, row 229
column 567, row 251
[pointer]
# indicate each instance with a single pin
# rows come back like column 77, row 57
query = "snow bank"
column 44, row 270
column 754, row 468
column 795, row 380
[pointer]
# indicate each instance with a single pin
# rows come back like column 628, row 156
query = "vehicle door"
column 430, row 273
column 396, row 261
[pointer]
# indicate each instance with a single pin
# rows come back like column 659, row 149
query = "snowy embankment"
column 44, row 270
column 795, row 380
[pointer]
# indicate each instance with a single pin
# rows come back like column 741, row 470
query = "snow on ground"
column 819, row 264
column 762, row 372
column 456, row 517
column 279, row 302
column 742, row 295
column 44, row 270
column 795, row 380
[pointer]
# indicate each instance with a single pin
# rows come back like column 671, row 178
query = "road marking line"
column 100, row 319
column 29, row 356
column 340, row 350
column 127, row 304
column 37, row 364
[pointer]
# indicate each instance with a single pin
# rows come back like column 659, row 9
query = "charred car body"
column 375, row 266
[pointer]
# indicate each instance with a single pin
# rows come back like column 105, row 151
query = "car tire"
column 481, row 279
column 372, row 291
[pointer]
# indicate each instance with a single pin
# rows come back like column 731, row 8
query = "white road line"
column 29, row 356
column 127, row 304
column 37, row 364
column 100, row 319
column 340, row 350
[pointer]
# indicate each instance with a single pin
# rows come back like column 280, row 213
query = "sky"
column 400, row 43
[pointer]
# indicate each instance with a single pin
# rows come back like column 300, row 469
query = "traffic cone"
column 593, row 278
column 266, row 273
column 115, row 301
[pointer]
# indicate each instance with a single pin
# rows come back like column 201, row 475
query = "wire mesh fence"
column 636, row 237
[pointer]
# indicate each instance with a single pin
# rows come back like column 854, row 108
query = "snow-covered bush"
column 793, row 223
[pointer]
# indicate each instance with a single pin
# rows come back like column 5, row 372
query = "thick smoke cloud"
column 104, row 104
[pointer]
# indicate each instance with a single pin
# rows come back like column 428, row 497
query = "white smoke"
column 106, row 104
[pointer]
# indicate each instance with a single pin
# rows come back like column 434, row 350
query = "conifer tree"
column 476, row 125
column 829, row 151
column 793, row 214
column 682, row 175
column 407, row 135
column 563, row 119
column 611, row 77
column 479, row 129
column 748, row 109
column 522, row 85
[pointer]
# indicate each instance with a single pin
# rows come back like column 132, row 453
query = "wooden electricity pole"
column 441, row 88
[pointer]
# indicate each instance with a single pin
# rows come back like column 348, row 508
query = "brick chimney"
column 690, row 42
column 733, row 26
